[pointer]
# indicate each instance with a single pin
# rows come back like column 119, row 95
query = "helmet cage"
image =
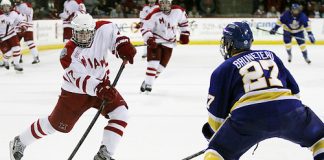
column 165, row 6
column 6, row 8
column 225, row 47
column 83, row 37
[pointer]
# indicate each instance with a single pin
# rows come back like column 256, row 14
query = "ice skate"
column 6, row 65
column 144, row 55
column 36, row 60
column 308, row 61
column 16, row 149
column 289, row 58
column 146, row 87
column 103, row 154
column 20, row 59
column 18, row 67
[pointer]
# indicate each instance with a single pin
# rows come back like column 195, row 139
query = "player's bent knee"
column 318, row 150
column 212, row 155
column 121, row 113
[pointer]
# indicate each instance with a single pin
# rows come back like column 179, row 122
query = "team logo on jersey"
column 63, row 53
column 161, row 20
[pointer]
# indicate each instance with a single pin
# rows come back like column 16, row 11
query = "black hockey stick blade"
column 95, row 118
column 195, row 155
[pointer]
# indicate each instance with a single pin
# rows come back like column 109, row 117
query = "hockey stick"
column 261, row 29
column 195, row 155
column 102, row 106
column 143, row 45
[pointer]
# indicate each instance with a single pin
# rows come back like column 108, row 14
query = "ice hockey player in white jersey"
column 71, row 7
column 85, row 85
column 143, row 13
column 27, row 11
column 159, row 32
column 9, row 41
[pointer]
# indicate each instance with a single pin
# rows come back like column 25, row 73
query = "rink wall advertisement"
column 48, row 34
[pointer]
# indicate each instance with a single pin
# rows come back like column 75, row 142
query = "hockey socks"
column 151, row 72
column 37, row 130
column 114, row 131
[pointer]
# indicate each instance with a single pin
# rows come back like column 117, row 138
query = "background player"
column 294, row 22
column 253, row 97
column 143, row 13
column 27, row 11
column 71, row 7
column 160, row 26
column 9, row 43
column 86, row 83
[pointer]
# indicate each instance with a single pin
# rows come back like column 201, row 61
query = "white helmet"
column 5, row 2
column 5, row 6
column 165, row 6
column 83, row 26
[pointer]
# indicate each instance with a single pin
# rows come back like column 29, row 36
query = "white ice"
column 165, row 125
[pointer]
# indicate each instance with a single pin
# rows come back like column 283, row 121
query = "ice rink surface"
column 165, row 125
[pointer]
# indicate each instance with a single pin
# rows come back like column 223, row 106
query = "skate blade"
column 19, row 72
column 10, row 149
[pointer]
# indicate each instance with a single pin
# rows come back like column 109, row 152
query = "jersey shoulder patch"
column 101, row 23
column 66, row 54
column 156, row 10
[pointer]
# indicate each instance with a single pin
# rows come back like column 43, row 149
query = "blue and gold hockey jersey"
column 247, row 79
column 294, row 24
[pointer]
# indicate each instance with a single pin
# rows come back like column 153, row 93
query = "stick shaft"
column 195, row 155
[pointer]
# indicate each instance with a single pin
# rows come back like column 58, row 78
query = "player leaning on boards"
column 294, row 22
column 86, row 84
column 27, row 11
column 160, row 26
column 143, row 13
column 253, row 97
column 9, row 41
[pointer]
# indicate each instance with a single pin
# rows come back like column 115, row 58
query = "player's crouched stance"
column 252, row 97
column 86, row 84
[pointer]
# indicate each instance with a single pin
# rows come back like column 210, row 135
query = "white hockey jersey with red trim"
column 71, row 7
column 85, row 68
column 146, row 10
column 27, row 12
column 164, row 27
column 8, row 23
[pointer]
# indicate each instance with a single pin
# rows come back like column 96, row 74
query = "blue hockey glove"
column 207, row 131
column 274, row 30
column 311, row 37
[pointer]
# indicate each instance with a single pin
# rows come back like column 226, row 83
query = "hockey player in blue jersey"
column 294, row 22
column 253, row 97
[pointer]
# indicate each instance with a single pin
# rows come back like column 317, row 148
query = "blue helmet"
column 237, row 37
column 295, row 9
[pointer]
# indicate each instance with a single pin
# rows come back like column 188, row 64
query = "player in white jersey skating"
column 9, row 41
column 143, row 13
column 85, row 84
column 27, row 11
column 159, row 32
column 71, row 7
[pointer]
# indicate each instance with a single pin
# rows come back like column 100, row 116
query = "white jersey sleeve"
column 183, row 22
column 146, row 10
column 70, row 7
